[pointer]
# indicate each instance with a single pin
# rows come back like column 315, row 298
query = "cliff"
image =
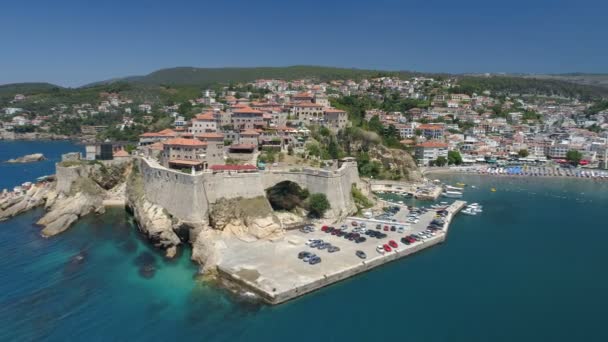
column 152, row 219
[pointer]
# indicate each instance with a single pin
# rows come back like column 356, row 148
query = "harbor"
column 273, row 271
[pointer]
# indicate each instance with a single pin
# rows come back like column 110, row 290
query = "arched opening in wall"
column 287, row 195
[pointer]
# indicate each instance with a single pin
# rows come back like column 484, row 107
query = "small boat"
column 493, row 189
column 453, row 188
column 469, row 211
column 452, row 194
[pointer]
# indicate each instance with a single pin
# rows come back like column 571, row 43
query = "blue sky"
column 71, row 42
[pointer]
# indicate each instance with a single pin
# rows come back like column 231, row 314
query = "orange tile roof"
column 210, row 135
column 334, row 110
column 247, row 109
column 432, row 144
column 185, row 142
column 205, row 116
column 430, row 126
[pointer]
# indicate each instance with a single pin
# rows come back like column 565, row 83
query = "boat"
column 460, row 184
column 469, row 211
column 453, row 188
column 493, row 189
column 452, row 194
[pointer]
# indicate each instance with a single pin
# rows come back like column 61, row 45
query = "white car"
column 380, row 249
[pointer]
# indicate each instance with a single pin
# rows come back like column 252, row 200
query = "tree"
column 441, row 161
column 574, row 157
column 318, row 205
column 523, row 153
column 454, row 158
column 332, row 149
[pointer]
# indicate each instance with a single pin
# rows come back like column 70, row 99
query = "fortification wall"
column 66, row 176
column 188, row 197
column 181, row 194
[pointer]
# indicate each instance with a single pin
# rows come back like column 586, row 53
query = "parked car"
column 405, row 240
column 333, row 249
column 393, row 244
column 387, row 248
column 354, row 223
column 361, row 254
column 400, row 230
column 314, row 260
column 303, row 254
column 380, row 249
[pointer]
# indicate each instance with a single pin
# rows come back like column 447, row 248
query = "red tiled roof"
column 158, row 146
column 246, row 167
column 247, row 109
column 432, row 144
column 185, row 142
column 334, row 110
column 208, row 116
column 210, row 135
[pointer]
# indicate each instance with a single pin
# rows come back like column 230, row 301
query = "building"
column 246, row 117
column 203, row 123
column 429, row 151
column 308, row 113
column 335, row 119
column 432, row 131
column 181, row 153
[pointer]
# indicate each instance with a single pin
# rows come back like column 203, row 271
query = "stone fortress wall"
column 188, row 197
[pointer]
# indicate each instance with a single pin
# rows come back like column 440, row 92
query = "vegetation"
column 361, row 201
column 523, row 153
column 441, row 161
column 318, row 205
column 454, row 158
column 574, row 157
column 506, row 85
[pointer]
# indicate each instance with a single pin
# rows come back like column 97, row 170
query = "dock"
column 273, row 271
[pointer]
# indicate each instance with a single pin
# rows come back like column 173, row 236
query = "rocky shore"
column 30, row 158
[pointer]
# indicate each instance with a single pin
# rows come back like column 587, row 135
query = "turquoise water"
column 531, row 267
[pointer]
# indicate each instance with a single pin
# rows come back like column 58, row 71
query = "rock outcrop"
column 152, row 220
column 14, row 204
column 65, row 210
column 30, row 158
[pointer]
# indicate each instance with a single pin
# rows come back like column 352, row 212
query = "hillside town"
column 429, row 118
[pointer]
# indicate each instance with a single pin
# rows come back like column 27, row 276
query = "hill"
column 208, row 76
column 27, row 88
column 600, row 80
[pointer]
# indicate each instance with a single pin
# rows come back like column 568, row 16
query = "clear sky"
column 74, row 42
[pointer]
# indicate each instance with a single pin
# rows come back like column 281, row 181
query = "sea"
column 531, row 267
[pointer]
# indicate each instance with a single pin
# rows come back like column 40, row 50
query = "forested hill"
column 207, row 76
column 506, row 85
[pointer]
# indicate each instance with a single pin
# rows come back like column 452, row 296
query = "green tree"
column 574, row 157
column 441, row 161
column 523, row 153
column 332, row 148
column 454, row 158
column 318, row 205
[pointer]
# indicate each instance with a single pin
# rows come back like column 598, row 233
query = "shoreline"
column 457, row 172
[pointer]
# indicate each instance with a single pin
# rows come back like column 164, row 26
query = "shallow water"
column 531, row 267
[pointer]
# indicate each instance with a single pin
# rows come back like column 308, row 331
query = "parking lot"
column 274, row 268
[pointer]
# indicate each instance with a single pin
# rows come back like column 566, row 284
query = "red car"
column 324, row 228
column 355, row 223
column 387, row 248
column 393, row 244
column 386, row 228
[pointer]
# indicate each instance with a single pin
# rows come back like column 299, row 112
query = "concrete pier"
column 273, row 271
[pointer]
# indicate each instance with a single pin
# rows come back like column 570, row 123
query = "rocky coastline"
column 29, row 158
